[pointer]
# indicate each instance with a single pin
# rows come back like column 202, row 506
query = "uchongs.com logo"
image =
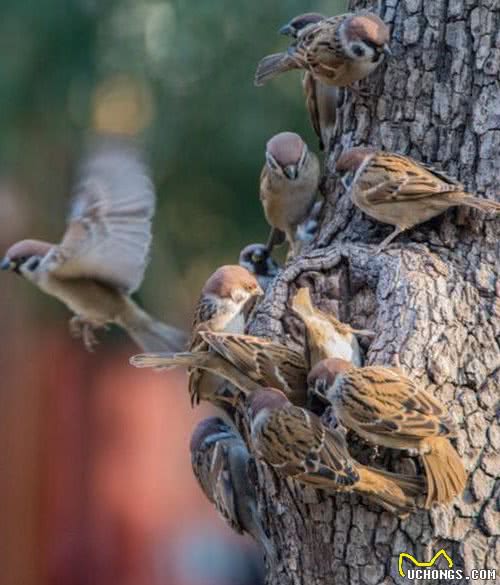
column 420, row 570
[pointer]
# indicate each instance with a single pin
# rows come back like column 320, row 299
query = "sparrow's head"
column 324, row 374
column 286, row 154
column 299, row 23
column 210, row 429
column 257, row 259
column 352, row 159
column 264, row 400
column 26, row 253
column 233, row 283
column 366, row 38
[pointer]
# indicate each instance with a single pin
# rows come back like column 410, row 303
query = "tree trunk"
column 433, row 298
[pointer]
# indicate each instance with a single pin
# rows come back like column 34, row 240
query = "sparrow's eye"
column 256, row 257
column 358, row 50
column 33, row 264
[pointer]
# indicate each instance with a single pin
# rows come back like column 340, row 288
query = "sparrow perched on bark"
column 326, row 336
column 402, row 192
column 288, row 185
column 295, row 443
column 336, row 51
column 223, row 306
column 387, row 408
column 321, row 99
column 220, row 461
column 257, row 259
column 102, row 257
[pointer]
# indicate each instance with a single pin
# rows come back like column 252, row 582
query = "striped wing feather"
column 398, row 178
column 382, row 401
column 266, row 362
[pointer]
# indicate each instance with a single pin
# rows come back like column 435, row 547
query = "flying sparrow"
column 336, row 51
column 220, row 461
column 257, row 259
column 387, row 408
column 321, row 99
column 288, row 186
column 223, row 306
column 402, row 192
column 326, row 336
column 295, row 443
column 265, row 362
column 102, row 257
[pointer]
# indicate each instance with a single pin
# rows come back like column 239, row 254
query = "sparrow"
column 321, row 99
column 288, row 185
column 387, row 408
column 263, row 361
column 220, row 462
column 257, row 259
column 326, row 336
column 402, row 192
column 295, row 443
column 223, row 306
column 102, row 257
column 336, row 51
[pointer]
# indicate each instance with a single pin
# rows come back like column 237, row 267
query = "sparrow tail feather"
column 482, row 204
column 446, row 476
column 273, row 65
column 149, row 334
column 395, row 492
column 170, row 360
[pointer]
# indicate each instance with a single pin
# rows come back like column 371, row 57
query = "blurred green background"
column 187, row 67
column 95, row 479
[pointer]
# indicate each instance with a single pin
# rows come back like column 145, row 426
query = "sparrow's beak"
column 6, row 264
column 291, row 171
column 387, row 51
column 286, row 30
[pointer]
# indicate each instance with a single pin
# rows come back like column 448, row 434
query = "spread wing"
column 268, row 363
column 382, row 401
column 398, row 178
column 109, row 227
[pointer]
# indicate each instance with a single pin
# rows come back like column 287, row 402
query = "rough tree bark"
column 433, row 298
